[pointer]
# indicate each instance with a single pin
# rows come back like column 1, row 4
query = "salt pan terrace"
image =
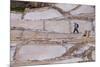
column 44, row 35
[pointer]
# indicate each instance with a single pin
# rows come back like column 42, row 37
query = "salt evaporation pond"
column 40, row 52
column 71, row 60
column 12, row 53
column 37, row 15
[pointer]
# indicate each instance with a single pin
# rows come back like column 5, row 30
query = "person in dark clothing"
column 76, row 26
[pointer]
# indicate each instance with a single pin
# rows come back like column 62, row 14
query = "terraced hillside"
column 44, row 34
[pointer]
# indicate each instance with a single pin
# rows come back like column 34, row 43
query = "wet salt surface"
column 83, row 9
column 71, row 60
column 34, row 52
column 12, row 53
column 16, row 16
column 48, row 14
column 68, row 46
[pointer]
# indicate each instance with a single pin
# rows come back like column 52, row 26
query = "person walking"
column 76, row 26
